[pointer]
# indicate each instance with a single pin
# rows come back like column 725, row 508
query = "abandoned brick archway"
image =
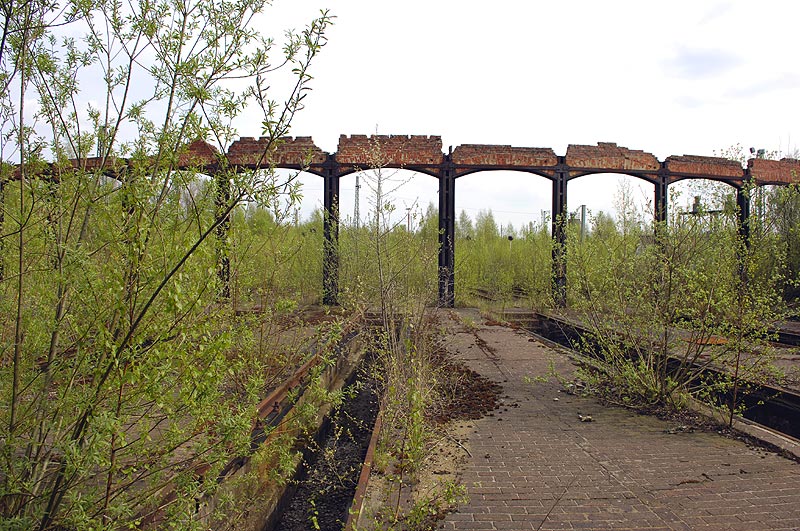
column 424, row 154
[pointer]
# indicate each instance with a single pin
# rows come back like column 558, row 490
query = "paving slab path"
column 536, row 465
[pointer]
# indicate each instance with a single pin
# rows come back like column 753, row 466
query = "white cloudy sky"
column 679, row 77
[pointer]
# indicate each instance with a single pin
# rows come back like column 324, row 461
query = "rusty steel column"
column 661, row 197
column 447, row 232
column 222, row 199
column 330, row 231
column 559, row 219
column 743, row 221
column 743, row 207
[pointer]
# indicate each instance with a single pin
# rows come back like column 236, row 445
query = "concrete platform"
column 536, row 465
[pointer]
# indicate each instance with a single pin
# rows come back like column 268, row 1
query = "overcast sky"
column 670, row 78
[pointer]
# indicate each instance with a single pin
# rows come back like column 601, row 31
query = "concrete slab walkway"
column 536, row 465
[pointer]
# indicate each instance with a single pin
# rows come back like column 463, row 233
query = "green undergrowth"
column 661, row 313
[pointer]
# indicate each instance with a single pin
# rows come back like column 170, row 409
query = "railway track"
column 788, row 333
column 771, row 406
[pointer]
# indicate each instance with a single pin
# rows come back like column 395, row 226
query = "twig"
column 555, row 503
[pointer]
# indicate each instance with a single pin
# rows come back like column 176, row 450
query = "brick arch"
column 680, row 167
column 736, row 184
column 780, row 172
column 418, row 153
column 607, row 157
column 473, row 158
column 350, row 170
column 647, row 177
column 294, row 153
column 539, row 173
column 423, row 154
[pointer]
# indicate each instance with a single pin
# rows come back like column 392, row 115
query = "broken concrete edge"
column 771, row 438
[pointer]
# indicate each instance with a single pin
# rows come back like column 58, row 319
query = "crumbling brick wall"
column 286, row 151
column 490, row 155
column 704, row 168
column 784, row 171
column 608, row 155
column 389, row 150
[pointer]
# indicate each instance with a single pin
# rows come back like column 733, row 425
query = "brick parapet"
column 609, row 156
column 286, row 151
column 389, row 150
column 493, row 155
column 198, row 153
column 94, row 164
column 424, row 153
column 784, row 171
column 704, row 167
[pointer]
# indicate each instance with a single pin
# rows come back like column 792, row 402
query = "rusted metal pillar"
column 222, row 200
column 330, row 231
column 661, row 197
column 559, row 217
column 447, row 233
column 743, row 208
column 661, row 214
column 743, row 221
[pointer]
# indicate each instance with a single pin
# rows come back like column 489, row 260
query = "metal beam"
column 447, row 232
column 330, row 231
column 743, row 208
column 2, row 223
column 661, row 196
column 222, row 201
column 559, row 219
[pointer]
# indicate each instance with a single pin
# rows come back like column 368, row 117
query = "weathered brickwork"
column 424, row 153
column 287, row 151
column 784, row 171
column 364, row 151
column 706, row 167
column 487, row 155
column 92, row 164
column 199, row 153
column 534, row 464
column 608, row 155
